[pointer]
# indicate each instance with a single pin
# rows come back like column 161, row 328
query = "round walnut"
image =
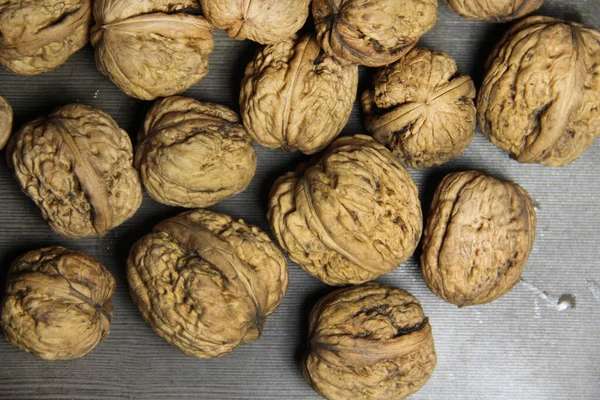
column 39, row 36
column 152, row 48
column 372, row 32
column 369, row 342
column 193, row 154
column 6, row 121
column 349, row 217
column 205, row 282
column 76, row 165
column 296, row 97
column 496, row 10
column 540, row 99
column 421, row 108
column 478, row 238
column 57, row 303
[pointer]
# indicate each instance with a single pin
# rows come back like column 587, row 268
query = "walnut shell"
column 540, row 99
column 57, row 303
column 421, row 108
column 263, row 21
column 350, row 216
column 6, row 121
column 496, row 10
column 39, row 36
column 205, row 282
column 76, row 165
column 478, row 238
column 296, row 97
column 369, row 342
column 153, row 48
column 372, row 32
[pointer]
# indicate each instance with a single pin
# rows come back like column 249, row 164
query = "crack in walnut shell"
column 496, row 10
column 6, row 121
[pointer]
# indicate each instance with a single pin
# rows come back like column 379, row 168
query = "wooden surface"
column 519, row 347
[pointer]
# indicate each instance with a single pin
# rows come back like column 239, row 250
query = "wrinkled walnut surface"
column 421, row 109
column 369, row 342
column 478, row 238
column 296, row 97
column 350, row 216
column 494, row 10
column 205, row 282
column 6, row 121
column 76, row 165
column 540, row 99
column 57, row 303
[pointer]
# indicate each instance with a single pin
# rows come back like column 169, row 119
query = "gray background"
column 519, row 347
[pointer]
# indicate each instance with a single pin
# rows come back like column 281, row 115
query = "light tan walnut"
column 6, row 121
column 495, row 10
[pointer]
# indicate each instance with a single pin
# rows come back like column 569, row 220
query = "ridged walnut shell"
column 478, row 238
column 57, row 304
column 193, row 154
column 296, row 97
column 350, row 216
column 205, row 282
column 152, row 48
column 540, row 99
column 76, row 165
column 6, row 121
column 421, row 108
column 495, row 10
column 372, row 32
column 369, row 342
column 39, row 36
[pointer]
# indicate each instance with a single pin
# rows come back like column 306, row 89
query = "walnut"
column 372, row 32
column 76, row 165
column 540, row 99
column 421, row 109
column 205, row 282
column 152, row 48
column 350, row 216
column 369, row 342
column 263, row 21
column 6, row 121
column 39, row 36
column 57, row 303
column 296, row 97
column 496, row 10
column 478, row 238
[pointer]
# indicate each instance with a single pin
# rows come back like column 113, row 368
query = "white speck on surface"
column 96, row 93
column 594, row 289
column 563, row 302
column 537, row 312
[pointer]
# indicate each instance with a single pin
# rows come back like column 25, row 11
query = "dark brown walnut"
column 296, row 97
column 540, row 99
column 478, row 238
column 76, row 165
column 57, row 304
column 6, row 121
column 495, row 10
column 40, row 35
column 421, row 108
column 205, row 282
column 350, row 216
column 369, row 342
column 372, row 32
column 152, row 48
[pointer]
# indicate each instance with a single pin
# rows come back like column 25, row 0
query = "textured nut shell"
column 495, row 10
column 540, row 99
column 372, row 32
column 205, row 282
column 57, row 303
column 351, row 216
column 296, row 97
column 6, row 121
column 421, row 109
column 369, row 342
column 76, row 165
column 38, row 36
column 478, row 238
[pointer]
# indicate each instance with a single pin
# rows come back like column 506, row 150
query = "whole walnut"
column 369, row 342
column 76, row 165
column 151, row 48
column 478, row 238
column 496, row 10
column 421, row 108
column 193, row 154
column 205, row 282
column 57, row 303
column 40, row 35
column 263, row 21
column 372, row 32
column 6, row 121
column 296, row 97
column 540, row 99
column 350, row 216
